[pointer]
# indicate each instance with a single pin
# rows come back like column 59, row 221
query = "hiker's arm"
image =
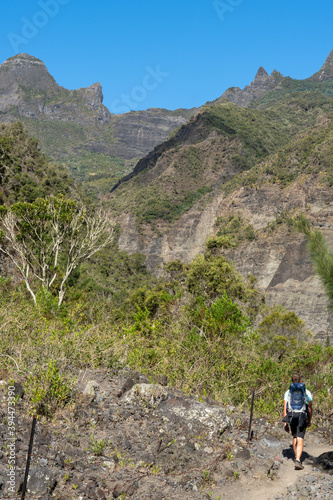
column 286, row 426
column 310, row 412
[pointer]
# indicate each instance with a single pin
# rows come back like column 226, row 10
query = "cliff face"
column 27, row 71
column 138, row 132
column 277, row 257
column 227, row 160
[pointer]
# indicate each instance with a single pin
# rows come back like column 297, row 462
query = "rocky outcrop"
column 295, row 177
column 263, row 83
column 257, row 89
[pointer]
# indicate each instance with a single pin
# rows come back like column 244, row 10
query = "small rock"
column 310, row 479
column 41, row 481
column 244, row 454
column 131, row 489
column 91, row 388
column 272, row 443
column 147, row 458
column 208, row 450
column 117, row 491
column 110, row 464
column 127, row 386
column 19, row 391
column 149, row 394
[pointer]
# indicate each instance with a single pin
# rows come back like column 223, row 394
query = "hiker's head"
column 296, row 378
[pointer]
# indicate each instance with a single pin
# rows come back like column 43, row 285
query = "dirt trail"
column 255, row 488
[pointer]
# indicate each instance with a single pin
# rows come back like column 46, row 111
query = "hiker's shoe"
column 298, row 465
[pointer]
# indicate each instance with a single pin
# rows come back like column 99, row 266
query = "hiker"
column 297, row 412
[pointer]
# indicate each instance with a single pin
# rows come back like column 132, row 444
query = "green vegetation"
column 185, row 173
column 97, row 447
column 259, row 132
column 55, row 135
column 95, row 172
column 309, row 154
column 281, row 331
column 53, row 394
column 197, row 326
column 25, row 173
column 231, row 232
column 68, row 144
column 289, row 85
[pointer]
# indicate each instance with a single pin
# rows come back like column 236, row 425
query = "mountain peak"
column 26, row 71
column 93, row 94
column 23, row 57
column 261, row 73
column 326, row 71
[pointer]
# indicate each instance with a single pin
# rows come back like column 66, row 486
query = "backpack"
column 297, row 398
column 297, row 407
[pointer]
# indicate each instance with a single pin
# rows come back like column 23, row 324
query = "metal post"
column 34, row 420
column 250, row 436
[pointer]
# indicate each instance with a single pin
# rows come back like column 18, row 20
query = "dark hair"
column 296, row 378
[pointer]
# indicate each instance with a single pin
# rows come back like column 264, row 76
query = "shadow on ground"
column 289, row 453
column 324, row 462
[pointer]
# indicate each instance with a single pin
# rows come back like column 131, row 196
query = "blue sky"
column 167, row 53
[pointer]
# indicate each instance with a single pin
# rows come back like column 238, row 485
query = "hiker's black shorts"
column 296, row 429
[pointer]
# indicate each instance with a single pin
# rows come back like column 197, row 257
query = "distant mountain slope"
column 73, row 126
column 219, row 143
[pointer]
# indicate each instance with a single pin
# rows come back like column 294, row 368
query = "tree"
column 281, row 330
column 47, row 239
column 320, row 253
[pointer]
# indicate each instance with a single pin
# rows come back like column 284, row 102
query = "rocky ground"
column 125, row 437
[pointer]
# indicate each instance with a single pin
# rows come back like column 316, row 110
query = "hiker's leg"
column 294, row 429
column 299, row 448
